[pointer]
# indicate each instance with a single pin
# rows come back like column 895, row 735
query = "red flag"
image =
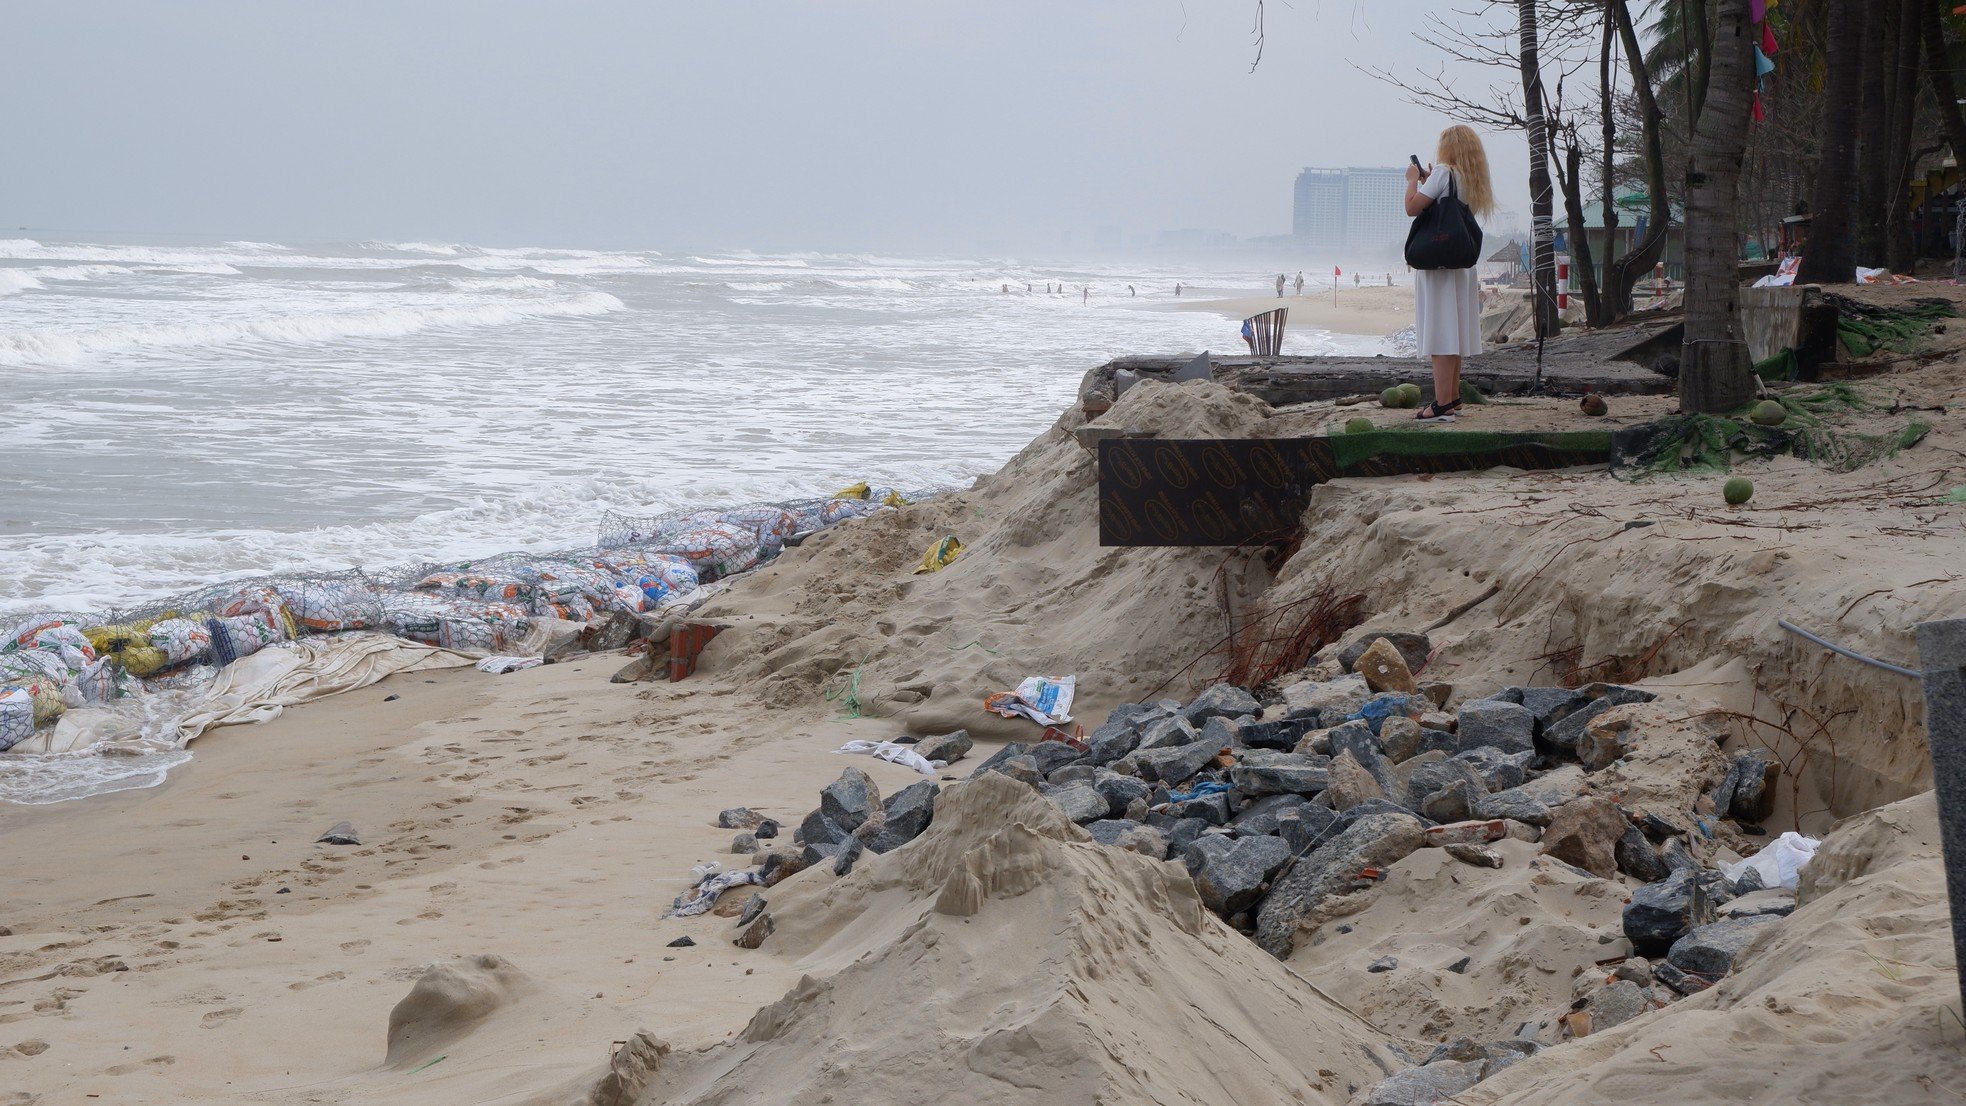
column 1335, row 272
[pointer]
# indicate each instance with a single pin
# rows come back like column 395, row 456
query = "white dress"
column 1446, row 302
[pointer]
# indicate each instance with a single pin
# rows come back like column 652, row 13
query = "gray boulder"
column 1747, row 793
column 1050, row 756
column 1024, row 769
column 1615, row 1005
column 1213, row 809
column 1179, row 832
column 1425, row 1086
column 1073, row 773
column 1224, row 733
column 996, row 759
column 744, row 844
column 1431, row 772
column 1550, row 705
column 817, row 829
column 1565, row 734
column 1145, row 840
column 1260, row 817
column 1517, row 803
column 1270, row 773
column 1081, row 802
column 850, row 800
column 1107, row 831
column 1120, row 791
column 1221, row 701
column 1377, row 840
column 1282, row 735
column 1496, row 725
column 947, row 748
column 1710, row 950
column 1660, row 913
column 1165, row 733
column 1231, row 880
column 1414, row 649
column 908, row 813
column 1306, row 827
column 1497, row 770
column 1400, row 737
column 848, row 853
column 1175, row 765
column 1638, row 858
column 1110, row 742
column 1453, row 803
column 738, row 817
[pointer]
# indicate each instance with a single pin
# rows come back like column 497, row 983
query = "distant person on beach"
column 1279, row 285
column 1249, row 336
column 1132, row 291
column 1085, row 294
column 1300, row 284
column 1355, row 279
column 1447, row 322
column 1177, row 287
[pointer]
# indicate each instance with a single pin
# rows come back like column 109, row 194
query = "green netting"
column 1351, row 450
column 1782, row 366
column 1865, row 328
column 1711, row 442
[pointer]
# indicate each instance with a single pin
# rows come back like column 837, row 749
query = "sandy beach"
column 1374, row 310
column 193, row 943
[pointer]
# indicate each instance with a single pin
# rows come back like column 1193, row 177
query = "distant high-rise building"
column 1350, row 210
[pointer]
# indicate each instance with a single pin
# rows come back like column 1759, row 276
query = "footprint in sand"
column 331, row 977
column 355, row 947
column 141, row 1065
column 219, row 1017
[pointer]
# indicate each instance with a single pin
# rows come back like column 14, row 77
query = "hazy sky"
column 770, row 124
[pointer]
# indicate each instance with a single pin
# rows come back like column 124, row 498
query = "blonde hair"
column 1460, row 148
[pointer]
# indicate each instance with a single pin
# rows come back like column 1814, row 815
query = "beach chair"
column 1267, row 331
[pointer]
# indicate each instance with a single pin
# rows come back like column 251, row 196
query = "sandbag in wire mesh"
column 261, row 600
column 835, row 511
column 242, row 635
column 181, row 640
column 479, row 584
column 95, row 684
column 16, row 716
column 637, row 565
column 718, row 547
column 325, row 606
column 456, row 623
column 55, row 635
column 771, row 525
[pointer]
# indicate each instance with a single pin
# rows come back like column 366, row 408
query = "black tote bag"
column 1445, row 236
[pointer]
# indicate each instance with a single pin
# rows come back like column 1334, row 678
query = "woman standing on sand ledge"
column 1447, row 311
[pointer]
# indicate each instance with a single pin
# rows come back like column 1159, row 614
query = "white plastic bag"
column 1778, row 863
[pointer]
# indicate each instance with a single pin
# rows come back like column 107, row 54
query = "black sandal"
column 1434, row 412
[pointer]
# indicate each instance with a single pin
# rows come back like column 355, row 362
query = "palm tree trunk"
column 1540, row 198
column 1634, row 265
column 1874, row 149
column 1898, row 246
column 1602, row 303
column 1715, row 373
column 1831, row 257
column 1938, row 70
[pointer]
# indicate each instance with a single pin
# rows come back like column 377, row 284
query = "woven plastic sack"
column 261, row 601
column 835, row 511
column 181, row 639
column 94, row 684
column 325, row 606
column 57, row 636
column 718, row 547
column 486, row 587
column 771, row 525
column 16, row 716
column 657, row 574
column 242, row 635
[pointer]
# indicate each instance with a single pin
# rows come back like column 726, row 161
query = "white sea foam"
column 756, row 285
column 517, row 283
column 16, row 281
column 873, row 284
column 52, row 346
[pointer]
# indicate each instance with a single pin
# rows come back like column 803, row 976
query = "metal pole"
column 1942, row 654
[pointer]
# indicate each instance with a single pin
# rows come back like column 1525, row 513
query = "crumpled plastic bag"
column 939, row 555
column 1779, row 862
column 1046, row 700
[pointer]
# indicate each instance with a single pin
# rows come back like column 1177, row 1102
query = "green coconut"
column 1593, row 404
column 1768, row 413
column 1389, row 397
column 1358, row 426
column 1738, row 490
column 1409, row 395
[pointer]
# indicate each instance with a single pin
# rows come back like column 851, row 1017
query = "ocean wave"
column 249, row 244
column 50, row 346
column 872, row 284
column 208, row 268
column 441, row 249
column 517, row 283
column 752, row 261
column 15, row 281
column 756, row 285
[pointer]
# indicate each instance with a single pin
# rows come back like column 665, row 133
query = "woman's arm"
column 1416, row 202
